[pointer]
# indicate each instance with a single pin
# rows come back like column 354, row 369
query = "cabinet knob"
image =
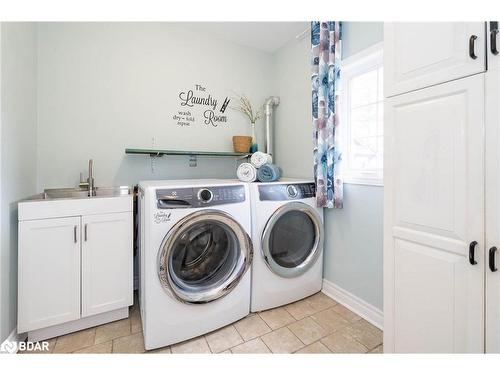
column 472, row 42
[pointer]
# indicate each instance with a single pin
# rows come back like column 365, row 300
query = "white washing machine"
column 287, row 235
column 195, row 255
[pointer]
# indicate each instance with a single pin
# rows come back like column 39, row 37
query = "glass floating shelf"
column 159, row 153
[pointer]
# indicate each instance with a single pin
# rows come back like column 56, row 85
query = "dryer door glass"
column 204, row 256
column 292, row 239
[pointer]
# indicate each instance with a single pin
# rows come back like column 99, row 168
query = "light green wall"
column 292, row 123
column 353, row 245
column 353, row 259
column 18, row 152
column 116, row 85
column 359, row 35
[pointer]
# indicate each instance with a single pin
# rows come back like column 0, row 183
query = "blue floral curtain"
column 326, row 48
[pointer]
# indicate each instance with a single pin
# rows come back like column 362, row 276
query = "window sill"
column 363, row 181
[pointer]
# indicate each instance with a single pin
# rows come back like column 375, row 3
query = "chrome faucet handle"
column 83, row 184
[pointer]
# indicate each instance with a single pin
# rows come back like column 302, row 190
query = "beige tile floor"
column 317, row 324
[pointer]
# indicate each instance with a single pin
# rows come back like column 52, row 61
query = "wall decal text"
column 198, row 100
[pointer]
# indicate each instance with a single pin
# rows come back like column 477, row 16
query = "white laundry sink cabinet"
column 75, row 264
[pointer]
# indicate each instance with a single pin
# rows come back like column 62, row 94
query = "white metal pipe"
column 269, row 104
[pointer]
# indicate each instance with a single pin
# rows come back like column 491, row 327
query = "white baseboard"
column 9, row 345
column 365, row 310
column 47, row 333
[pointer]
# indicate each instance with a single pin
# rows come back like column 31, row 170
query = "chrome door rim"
column 242, row 265
column 313, row 255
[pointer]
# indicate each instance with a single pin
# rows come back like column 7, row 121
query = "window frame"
column 362, row 62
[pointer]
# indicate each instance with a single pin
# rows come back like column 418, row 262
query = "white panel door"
column 49, row 272
column 433, row 295
column 421, row 54
column 107, row 262
column 493, row 210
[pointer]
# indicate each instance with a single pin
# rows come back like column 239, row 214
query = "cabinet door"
column 433, row 207
column 421, row 54
column 493, row 209
column 107, row 256
column 49, row 272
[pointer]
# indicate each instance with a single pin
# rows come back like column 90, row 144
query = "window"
column 362, row 113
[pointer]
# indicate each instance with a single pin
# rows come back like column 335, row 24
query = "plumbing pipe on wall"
column 269, row 104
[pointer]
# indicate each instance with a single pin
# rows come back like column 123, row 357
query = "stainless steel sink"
column 78, row 193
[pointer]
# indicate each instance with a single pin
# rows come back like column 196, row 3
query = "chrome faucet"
column 91, row 178
column 89, row 184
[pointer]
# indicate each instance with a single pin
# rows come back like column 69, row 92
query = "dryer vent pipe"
column 269, row 104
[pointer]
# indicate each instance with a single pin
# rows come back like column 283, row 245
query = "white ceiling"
column 264, row 36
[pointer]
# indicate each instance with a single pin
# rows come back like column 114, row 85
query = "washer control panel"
column 286, row 192
column 199, row 197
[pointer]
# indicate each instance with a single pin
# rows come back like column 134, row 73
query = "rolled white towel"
column 259, row 158
column 246, row 172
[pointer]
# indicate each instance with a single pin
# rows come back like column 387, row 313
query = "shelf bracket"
column 156, row 155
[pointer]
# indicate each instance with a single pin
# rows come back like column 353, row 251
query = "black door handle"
column 493, row 41
column 492, row 259
column 472, row 41
column 472, row 248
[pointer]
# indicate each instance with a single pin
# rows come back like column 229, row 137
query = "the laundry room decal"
column 199, row 104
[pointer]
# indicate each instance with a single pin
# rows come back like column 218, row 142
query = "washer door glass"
column 204, row 256
column 292, row 239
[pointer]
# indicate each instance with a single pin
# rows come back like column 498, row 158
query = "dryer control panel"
column 286, row 192
column 199, row 196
